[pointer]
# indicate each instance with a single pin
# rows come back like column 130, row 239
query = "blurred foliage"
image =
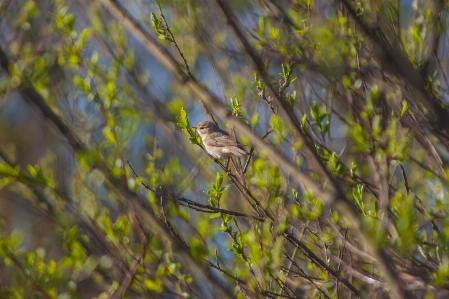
column 364, row 82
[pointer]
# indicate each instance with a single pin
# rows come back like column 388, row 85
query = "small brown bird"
column 218, row 143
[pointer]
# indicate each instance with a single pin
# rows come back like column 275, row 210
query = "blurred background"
column 353, row 94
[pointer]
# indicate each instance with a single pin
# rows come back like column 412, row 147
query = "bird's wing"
column 219, row 139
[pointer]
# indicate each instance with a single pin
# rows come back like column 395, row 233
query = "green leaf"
column 33, row 171
column 296, row 211
column 276, row 122
column 291, row 98
column 110, row 87
column 155, row 21
column 107, row 132
column 219, row 180
column 5, row 181
column 285, row 70
column 361, row 138
column 183, row 121
column 376, row 128
column 404, row 109
column 304, row 121
column 6, row 169
column 95, row 57
column 262, row 24
column 353, row 169
column 357, row 193
column 236, row 107
column 255, row 119
column 153, row 285
column 198, row 249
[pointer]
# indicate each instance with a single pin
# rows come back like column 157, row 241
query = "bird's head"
column 206, row 127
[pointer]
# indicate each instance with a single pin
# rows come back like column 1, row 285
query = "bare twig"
column 404, row 175
column 147, row 215
column 128, row 279
column 192, row 204
column 337, row 199
column 252, row 150
column 340, row 202
column 401, row 66
column 318, row 261
column 172, row 39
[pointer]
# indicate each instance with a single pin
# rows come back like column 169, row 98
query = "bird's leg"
column 238, row 170
column 227, row 164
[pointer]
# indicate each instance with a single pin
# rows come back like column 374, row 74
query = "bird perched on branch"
column 218, row 143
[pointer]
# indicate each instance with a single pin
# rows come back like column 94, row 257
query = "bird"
column 217, row 142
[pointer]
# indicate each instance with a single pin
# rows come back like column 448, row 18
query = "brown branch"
column 225, row 272
column 27, row 274
column 339, row 200
column 319, row 262
column 146, row 214
column 310, row 279
column 27, row 90
column 173, row 41
column 252, row 149
column 195, row 205
column 129, row 277
column 404, row 175
column 401, row 67
column 168, row 224
column 174, row 68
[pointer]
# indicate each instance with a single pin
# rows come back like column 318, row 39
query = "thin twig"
column 252, row 149
column 404, row 175
column 149, row 217
column 192, row 204
column 340, row 201
column 173, row 40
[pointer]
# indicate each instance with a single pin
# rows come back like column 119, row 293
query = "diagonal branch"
column 336, row 198
column 31, row 95
column 289, row 167
column 193, row 204
column 340, row 202
column 402, row 67
column 143, row 211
